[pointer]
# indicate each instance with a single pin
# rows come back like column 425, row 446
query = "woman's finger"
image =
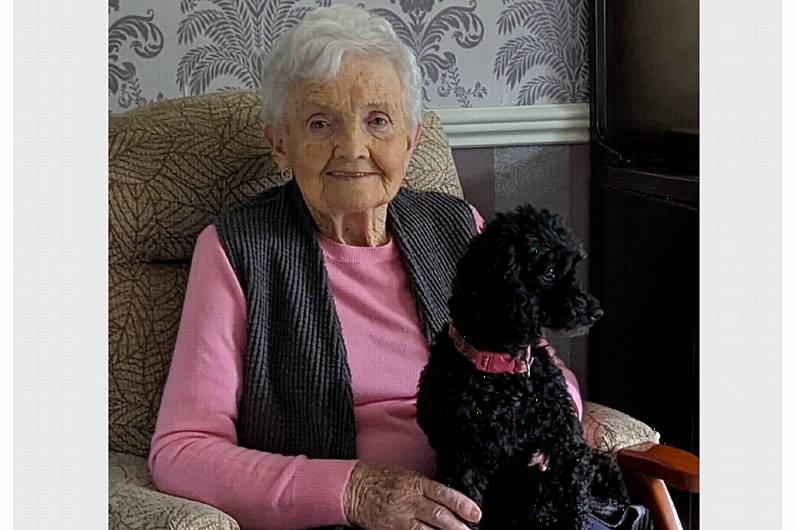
column 419, row 525
column 437, row 516
column 453, row 500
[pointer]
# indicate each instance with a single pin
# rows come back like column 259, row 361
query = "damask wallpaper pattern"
column 472, row 53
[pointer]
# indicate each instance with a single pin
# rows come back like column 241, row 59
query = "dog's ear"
column 513, row 259
column 508, row 263
column 524, row 318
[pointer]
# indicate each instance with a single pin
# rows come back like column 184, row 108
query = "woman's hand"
column 384, row 498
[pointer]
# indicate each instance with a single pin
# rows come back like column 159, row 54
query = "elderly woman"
column 309, row 309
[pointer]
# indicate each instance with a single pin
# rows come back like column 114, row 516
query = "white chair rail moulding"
column 518, row 125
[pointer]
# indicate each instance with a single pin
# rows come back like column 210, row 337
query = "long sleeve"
column 571, row 379
column 194, row 452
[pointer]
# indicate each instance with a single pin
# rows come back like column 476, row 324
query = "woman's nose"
column 352, row 144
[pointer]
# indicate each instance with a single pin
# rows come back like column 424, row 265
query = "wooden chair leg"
column 653, row 493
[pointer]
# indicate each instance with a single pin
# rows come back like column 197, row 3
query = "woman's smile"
column 352, row 174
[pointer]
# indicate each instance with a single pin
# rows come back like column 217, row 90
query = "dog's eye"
column 550, row 274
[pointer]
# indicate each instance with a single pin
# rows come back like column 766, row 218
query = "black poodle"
column 491, row 400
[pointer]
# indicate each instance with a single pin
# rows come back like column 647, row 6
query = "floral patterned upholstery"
column 609, row 430
column 134, row 503
column 172, row 167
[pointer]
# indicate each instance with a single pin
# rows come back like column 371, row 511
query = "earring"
column 287, row 173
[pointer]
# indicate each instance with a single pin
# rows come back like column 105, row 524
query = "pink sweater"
column 194, row 451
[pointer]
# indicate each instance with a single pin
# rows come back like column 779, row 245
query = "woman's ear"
column 412, row 141
column 274, row 137
column 416, row 132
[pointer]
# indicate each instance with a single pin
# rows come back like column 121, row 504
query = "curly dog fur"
column 517, row 277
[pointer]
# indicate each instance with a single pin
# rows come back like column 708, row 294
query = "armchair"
column 172, row 166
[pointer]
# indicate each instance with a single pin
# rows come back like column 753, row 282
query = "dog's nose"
column 597, row 314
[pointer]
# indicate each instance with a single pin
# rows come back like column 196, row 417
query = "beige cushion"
column 609, row 430
column 133, row 502
column 172, row 167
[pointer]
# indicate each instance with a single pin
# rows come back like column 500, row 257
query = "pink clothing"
column 386, row 351
column 194, row 451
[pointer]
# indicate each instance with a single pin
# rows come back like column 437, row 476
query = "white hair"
column 315, row 49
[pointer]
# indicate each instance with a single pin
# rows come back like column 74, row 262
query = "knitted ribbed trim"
column 336, row 251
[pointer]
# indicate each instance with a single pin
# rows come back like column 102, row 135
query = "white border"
column 7, row 312
column 741, row 265
column 788, row 264
column 60, row 265
column 520, row 125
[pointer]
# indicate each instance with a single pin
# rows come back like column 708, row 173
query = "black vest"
column 297, row 395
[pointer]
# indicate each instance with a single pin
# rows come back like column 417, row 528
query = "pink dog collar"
column 493, row 362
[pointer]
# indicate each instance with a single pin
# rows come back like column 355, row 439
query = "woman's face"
column 347, row 140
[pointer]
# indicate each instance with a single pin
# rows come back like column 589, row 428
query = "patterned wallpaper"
column 472, row 53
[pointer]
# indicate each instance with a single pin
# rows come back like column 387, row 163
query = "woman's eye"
column 380, row 121
column 318, row 124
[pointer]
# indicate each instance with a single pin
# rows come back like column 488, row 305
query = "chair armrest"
column 649, row 469
column 134, row 503
column 608, row 430
column 646, row 465
column 676, row 467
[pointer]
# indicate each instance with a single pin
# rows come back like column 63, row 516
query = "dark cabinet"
column 643, row 356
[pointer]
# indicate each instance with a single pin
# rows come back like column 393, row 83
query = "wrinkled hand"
column 539, row 459
column 384, row 498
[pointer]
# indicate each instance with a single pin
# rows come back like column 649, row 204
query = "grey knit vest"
column 297, row 395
